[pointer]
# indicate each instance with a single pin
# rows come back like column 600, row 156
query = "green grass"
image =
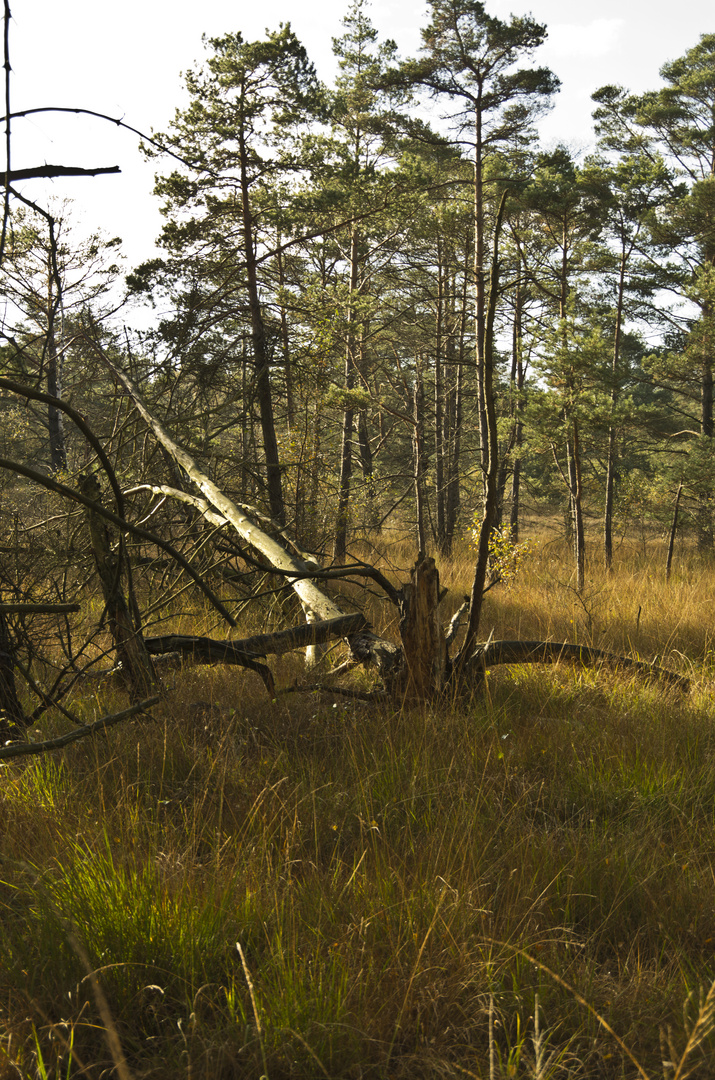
column 424, row 893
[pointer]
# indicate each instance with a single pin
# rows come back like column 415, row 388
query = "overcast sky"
column 126, row 59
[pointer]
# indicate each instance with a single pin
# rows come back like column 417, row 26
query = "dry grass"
column 426, row 893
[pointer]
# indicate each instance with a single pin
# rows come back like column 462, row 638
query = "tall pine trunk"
column 260, row 348
column 346, row 450
column 611, row 462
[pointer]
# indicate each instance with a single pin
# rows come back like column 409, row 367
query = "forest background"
column 382, row 321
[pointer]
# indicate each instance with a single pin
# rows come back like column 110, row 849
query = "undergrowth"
column 516, row 885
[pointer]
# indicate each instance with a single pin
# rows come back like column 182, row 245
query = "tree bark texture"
column 418, row 457
column 346, row 448
column 260, row 348
column 12, row 717
column 137, row 668
column 422, row 633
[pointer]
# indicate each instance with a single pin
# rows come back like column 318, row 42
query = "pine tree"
column 240, row 136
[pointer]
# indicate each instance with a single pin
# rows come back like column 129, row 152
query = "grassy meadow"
column 521, row 884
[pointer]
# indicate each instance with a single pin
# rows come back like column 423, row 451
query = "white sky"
column 125, row 58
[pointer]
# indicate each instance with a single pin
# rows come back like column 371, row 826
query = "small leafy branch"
column 506, row 558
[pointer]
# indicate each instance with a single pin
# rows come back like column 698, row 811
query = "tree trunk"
column 612, row 444
column 610, row 494
column 422, row 633
column 439, row 404
column 12, row 717
column 55, row 359
column 673, row 531
column 705, row 520
column 260, row 349
column 285, row 343
column 492, row 459
column 137, row 668
column 346, row 453
column 418, row 452
column 573, row 453
column 455, row 411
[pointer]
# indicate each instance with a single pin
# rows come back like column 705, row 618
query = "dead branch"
column 21, row 749
column 121, row 523
column 550, row 652
column 455, row 621
column 203, row 650
column 48, row 172
column 276, row 644
column 314, row 572
column 39, row 609
column 313, row 600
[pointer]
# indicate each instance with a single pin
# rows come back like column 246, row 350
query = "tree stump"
column 422, row 633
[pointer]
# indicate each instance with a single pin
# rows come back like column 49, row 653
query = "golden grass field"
column 517, row 884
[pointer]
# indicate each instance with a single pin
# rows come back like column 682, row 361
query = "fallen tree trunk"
column 247, row 652
column 423, row 662
column 299, row 573
column 311, row 597
column 551, row 652
column 210, row 651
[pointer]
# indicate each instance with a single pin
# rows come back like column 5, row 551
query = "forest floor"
column 517, row 885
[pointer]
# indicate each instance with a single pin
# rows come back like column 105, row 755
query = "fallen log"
column 299, row 573
column 208, row 650
column 551, row 652
column 205, row 650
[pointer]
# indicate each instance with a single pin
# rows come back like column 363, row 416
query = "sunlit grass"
column 401, row 884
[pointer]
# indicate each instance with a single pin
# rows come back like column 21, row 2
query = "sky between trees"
column 126, row 60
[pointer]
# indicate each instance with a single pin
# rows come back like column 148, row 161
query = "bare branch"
column 49, row 172
column 39, row 609
column 551, row 652
column 22, row 749
column 121, row 523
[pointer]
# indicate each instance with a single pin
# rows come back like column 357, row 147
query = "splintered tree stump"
column 422, row 633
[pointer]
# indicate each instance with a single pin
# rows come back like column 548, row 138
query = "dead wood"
column 39, row 609
column 311, row 597
column 248, row 651
column 143, row 534
column 137, row 668
column 49, row 172
column 365, row 646
column 550, row 652
column 22, row 749
column 422, row 633
column 204, row 650
column 260, row 645
column 12, row 717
